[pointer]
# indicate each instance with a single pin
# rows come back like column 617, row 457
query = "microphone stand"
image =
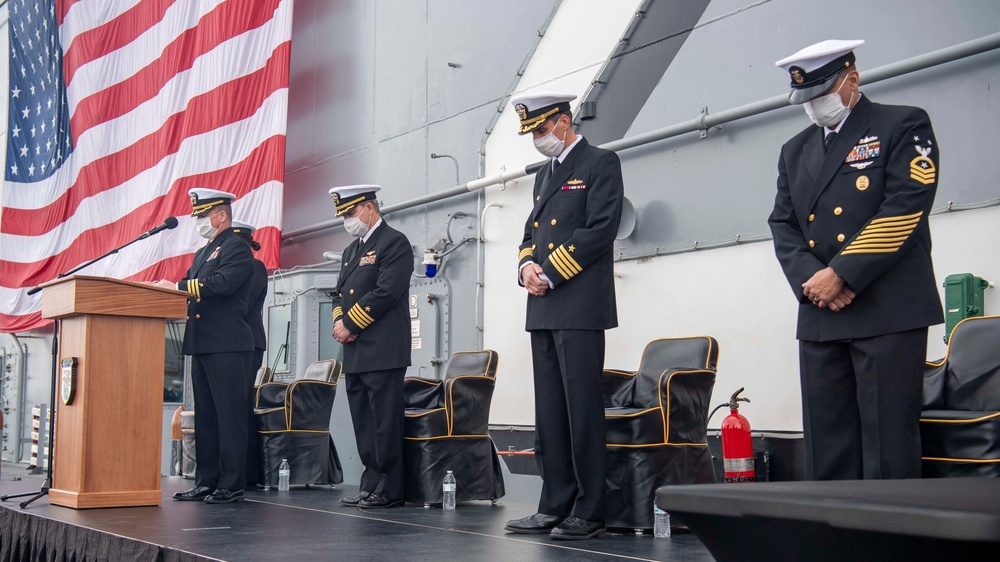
column 142, row 236
column 47, row 484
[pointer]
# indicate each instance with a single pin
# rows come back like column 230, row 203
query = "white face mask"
column 828, row 110
column 355, row 227
column 205, row 229
column 550, row 145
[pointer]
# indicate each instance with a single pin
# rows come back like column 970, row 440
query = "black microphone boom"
column 170, row 222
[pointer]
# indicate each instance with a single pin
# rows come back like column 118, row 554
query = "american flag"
column 116, row 109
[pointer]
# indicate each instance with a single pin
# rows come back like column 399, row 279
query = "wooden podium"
column 108, row 438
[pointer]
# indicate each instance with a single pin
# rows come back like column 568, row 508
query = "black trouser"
column 253, row 469
column 569, row 421
column 376, row 401
column 220, row 418
column 861, row 402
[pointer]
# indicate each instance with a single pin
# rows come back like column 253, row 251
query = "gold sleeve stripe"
column 363, row 314
column 338, row 312
column 893, row 227
column 871, row 251
column 564, row 267
column 525, row 253
column 873, row 238
column 569, row 258
column 194, row 288
column 884, row 235
column 360, row 317
column 361, row 322
column 883, row 220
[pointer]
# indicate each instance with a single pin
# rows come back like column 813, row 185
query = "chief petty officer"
column 850, row 226
column 220, row 342
column 371, row 319
column 566, row 265
column 258, row 294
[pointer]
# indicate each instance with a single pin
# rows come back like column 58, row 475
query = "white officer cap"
column 533, row 109
column 346, row 197
column 240, row 226
column 815, row 69
column 203, row 199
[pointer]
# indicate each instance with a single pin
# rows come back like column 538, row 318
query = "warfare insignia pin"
column 862, row 165
column 922, row 168
column 522, row 111
column 797, row 75
column 862, row 183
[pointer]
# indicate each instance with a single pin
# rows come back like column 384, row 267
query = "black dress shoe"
column 575, row 529
column 378, row 501
column 533, row 524
column 197, row 493
column 353, row 501
column 223, row 495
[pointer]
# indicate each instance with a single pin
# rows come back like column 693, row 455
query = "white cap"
column 814, row 70
column 245, row 226
column 203, row 199
column 346, row 197
column 534, row 108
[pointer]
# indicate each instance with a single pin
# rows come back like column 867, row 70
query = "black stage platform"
column 943, row 519
column 303, row 525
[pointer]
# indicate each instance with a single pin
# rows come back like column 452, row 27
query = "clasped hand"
column 530, row 276
column 827, row 290
column 342, row 334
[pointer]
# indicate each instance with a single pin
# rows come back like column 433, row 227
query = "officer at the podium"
column 566, row 263
column 220, row 343
column 850, row 226
column 371, row 319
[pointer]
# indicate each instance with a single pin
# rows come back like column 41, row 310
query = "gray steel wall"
column 372, row 95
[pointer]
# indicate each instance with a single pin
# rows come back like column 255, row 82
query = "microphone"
column 170, row 222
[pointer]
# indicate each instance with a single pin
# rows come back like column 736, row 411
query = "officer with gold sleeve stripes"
column 850, row 227
column 566, row 265
column 371, row 318
column 220, row 342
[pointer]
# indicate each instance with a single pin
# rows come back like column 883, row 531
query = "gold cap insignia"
column 522, row 111
column 797, row 76
column 336, row 199
column 194, row 199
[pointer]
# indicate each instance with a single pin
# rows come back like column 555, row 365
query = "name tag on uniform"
column 368, row 259
column 573, row 185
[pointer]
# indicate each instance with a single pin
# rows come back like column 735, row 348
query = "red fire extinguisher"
column 737, row 445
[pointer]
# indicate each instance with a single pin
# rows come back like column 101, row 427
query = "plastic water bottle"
column 448, row 489
column 661, row 523
column 284, row 475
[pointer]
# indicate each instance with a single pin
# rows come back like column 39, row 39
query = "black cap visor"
column 799, row 96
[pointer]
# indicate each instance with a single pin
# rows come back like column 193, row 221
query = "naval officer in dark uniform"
column 258, row 294
column 219, row 340
column 371, row 319
column 566, row 265
column 850, row 226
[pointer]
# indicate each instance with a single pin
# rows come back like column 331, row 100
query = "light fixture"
column 431, row 262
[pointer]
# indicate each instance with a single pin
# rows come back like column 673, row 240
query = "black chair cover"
column 293, row 422
column 960, row 424
column 447, row 428
column 657, row 425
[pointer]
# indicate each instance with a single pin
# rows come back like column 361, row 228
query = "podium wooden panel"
column 107, row 441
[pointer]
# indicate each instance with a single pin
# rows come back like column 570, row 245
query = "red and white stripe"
column 164, row 95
